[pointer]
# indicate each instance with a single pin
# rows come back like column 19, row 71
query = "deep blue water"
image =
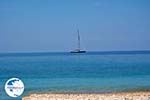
column 93, row 72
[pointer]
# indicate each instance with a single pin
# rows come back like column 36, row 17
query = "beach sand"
column 108, row 96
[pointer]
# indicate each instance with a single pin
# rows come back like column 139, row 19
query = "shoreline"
column 91, row 96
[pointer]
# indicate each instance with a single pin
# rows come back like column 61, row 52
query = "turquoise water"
column 95, row 72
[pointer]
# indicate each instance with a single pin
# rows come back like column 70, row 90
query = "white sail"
column 78, row 50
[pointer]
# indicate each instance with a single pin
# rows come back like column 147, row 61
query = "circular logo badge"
column 14, row 87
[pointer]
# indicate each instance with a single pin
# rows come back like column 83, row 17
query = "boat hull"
column 77, row 51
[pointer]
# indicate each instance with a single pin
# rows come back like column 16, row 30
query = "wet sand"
column 108, row 96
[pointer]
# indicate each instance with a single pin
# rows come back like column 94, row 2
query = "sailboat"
column 78, row 50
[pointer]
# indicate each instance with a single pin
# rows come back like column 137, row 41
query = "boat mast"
column 78, row 39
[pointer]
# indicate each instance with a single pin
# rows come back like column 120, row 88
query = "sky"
column 51, row 25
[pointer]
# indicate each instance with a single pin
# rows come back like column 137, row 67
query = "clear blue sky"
column 50, row 25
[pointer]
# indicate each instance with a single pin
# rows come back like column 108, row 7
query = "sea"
column 63, row 72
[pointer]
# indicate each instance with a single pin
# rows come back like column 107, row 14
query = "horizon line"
column 90, row 51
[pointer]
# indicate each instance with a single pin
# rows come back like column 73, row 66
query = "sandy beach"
column 109, row 96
